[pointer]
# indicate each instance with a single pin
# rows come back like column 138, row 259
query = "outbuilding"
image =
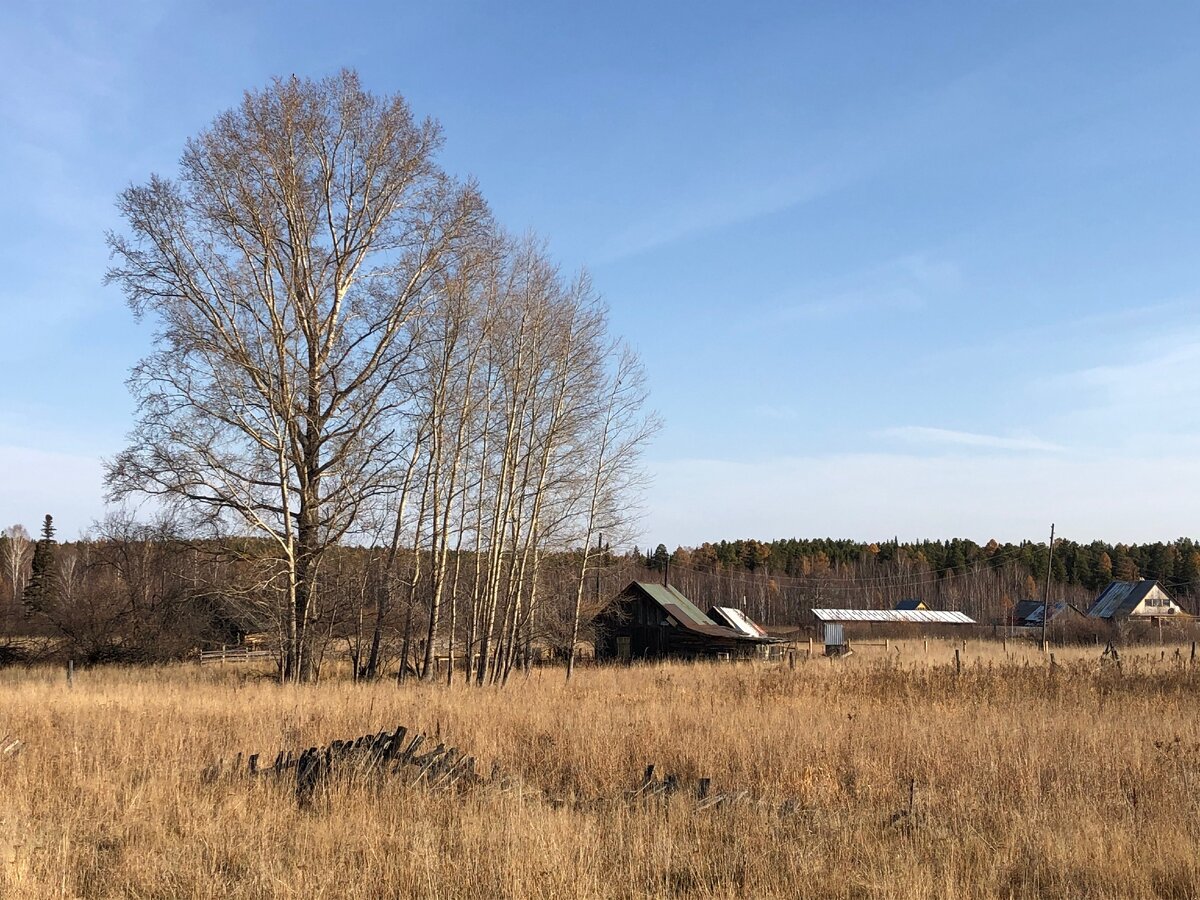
column 833, row 622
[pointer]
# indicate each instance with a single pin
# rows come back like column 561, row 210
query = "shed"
column 656, row 621
column 1133, row 599
column 911, row 603
column 1036, row 615
column 1022, row 610
column 834, row 621
column 1030, row 612
column 240, row 623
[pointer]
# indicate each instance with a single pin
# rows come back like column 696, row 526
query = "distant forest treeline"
column 1176, row 564
column 132, row 591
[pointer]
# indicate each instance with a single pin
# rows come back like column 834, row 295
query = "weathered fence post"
column 957, row 663
column 71, row 672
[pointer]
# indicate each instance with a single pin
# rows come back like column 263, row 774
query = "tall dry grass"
column 1081, row 781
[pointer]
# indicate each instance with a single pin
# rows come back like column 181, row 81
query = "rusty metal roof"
column 924, row 616
column 709, row 630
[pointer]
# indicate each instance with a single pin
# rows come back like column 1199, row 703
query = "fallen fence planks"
column 393, row 755
column 384, row 754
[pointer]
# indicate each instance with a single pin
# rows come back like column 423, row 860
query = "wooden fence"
column 238, row 654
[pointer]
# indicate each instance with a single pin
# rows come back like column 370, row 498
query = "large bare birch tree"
column 287, row 269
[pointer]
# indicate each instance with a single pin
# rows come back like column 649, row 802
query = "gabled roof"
column 684, row 612
column 927, row 616
column 1122, row 598
column 911, row 603
column 737, row 620
column 1023, row 609
column 1038, row 613
column 665, row 595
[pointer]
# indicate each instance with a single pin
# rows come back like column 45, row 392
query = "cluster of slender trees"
column 349, row 351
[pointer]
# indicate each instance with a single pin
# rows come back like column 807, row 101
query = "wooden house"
column 1143, row 599
column 656, row 621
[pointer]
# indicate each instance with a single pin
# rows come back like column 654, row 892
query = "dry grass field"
column 1077, row 782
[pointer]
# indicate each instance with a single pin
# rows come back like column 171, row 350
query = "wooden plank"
column 430, row 759
column 306, row 776
column 412, row 748
column 395, row 744
column 426, row 758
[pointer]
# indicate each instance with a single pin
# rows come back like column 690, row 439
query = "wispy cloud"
column 856, row 147
column 906, row 284
column 722, row 210
column 848, row 303
column 775, row 413
column 918, row 434
column 1142, row 393
column 1144, row 373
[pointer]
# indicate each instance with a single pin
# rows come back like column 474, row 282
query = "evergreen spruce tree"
column 41, row 589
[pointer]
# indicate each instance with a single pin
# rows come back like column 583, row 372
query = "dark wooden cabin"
column 655, row 621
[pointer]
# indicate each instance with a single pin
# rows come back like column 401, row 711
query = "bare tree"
column 17, row 549
column 285, row 269
column 610, row 473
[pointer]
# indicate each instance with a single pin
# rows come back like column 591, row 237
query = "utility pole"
column 1046, row 592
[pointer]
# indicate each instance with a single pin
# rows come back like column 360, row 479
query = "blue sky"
column 922, row 269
